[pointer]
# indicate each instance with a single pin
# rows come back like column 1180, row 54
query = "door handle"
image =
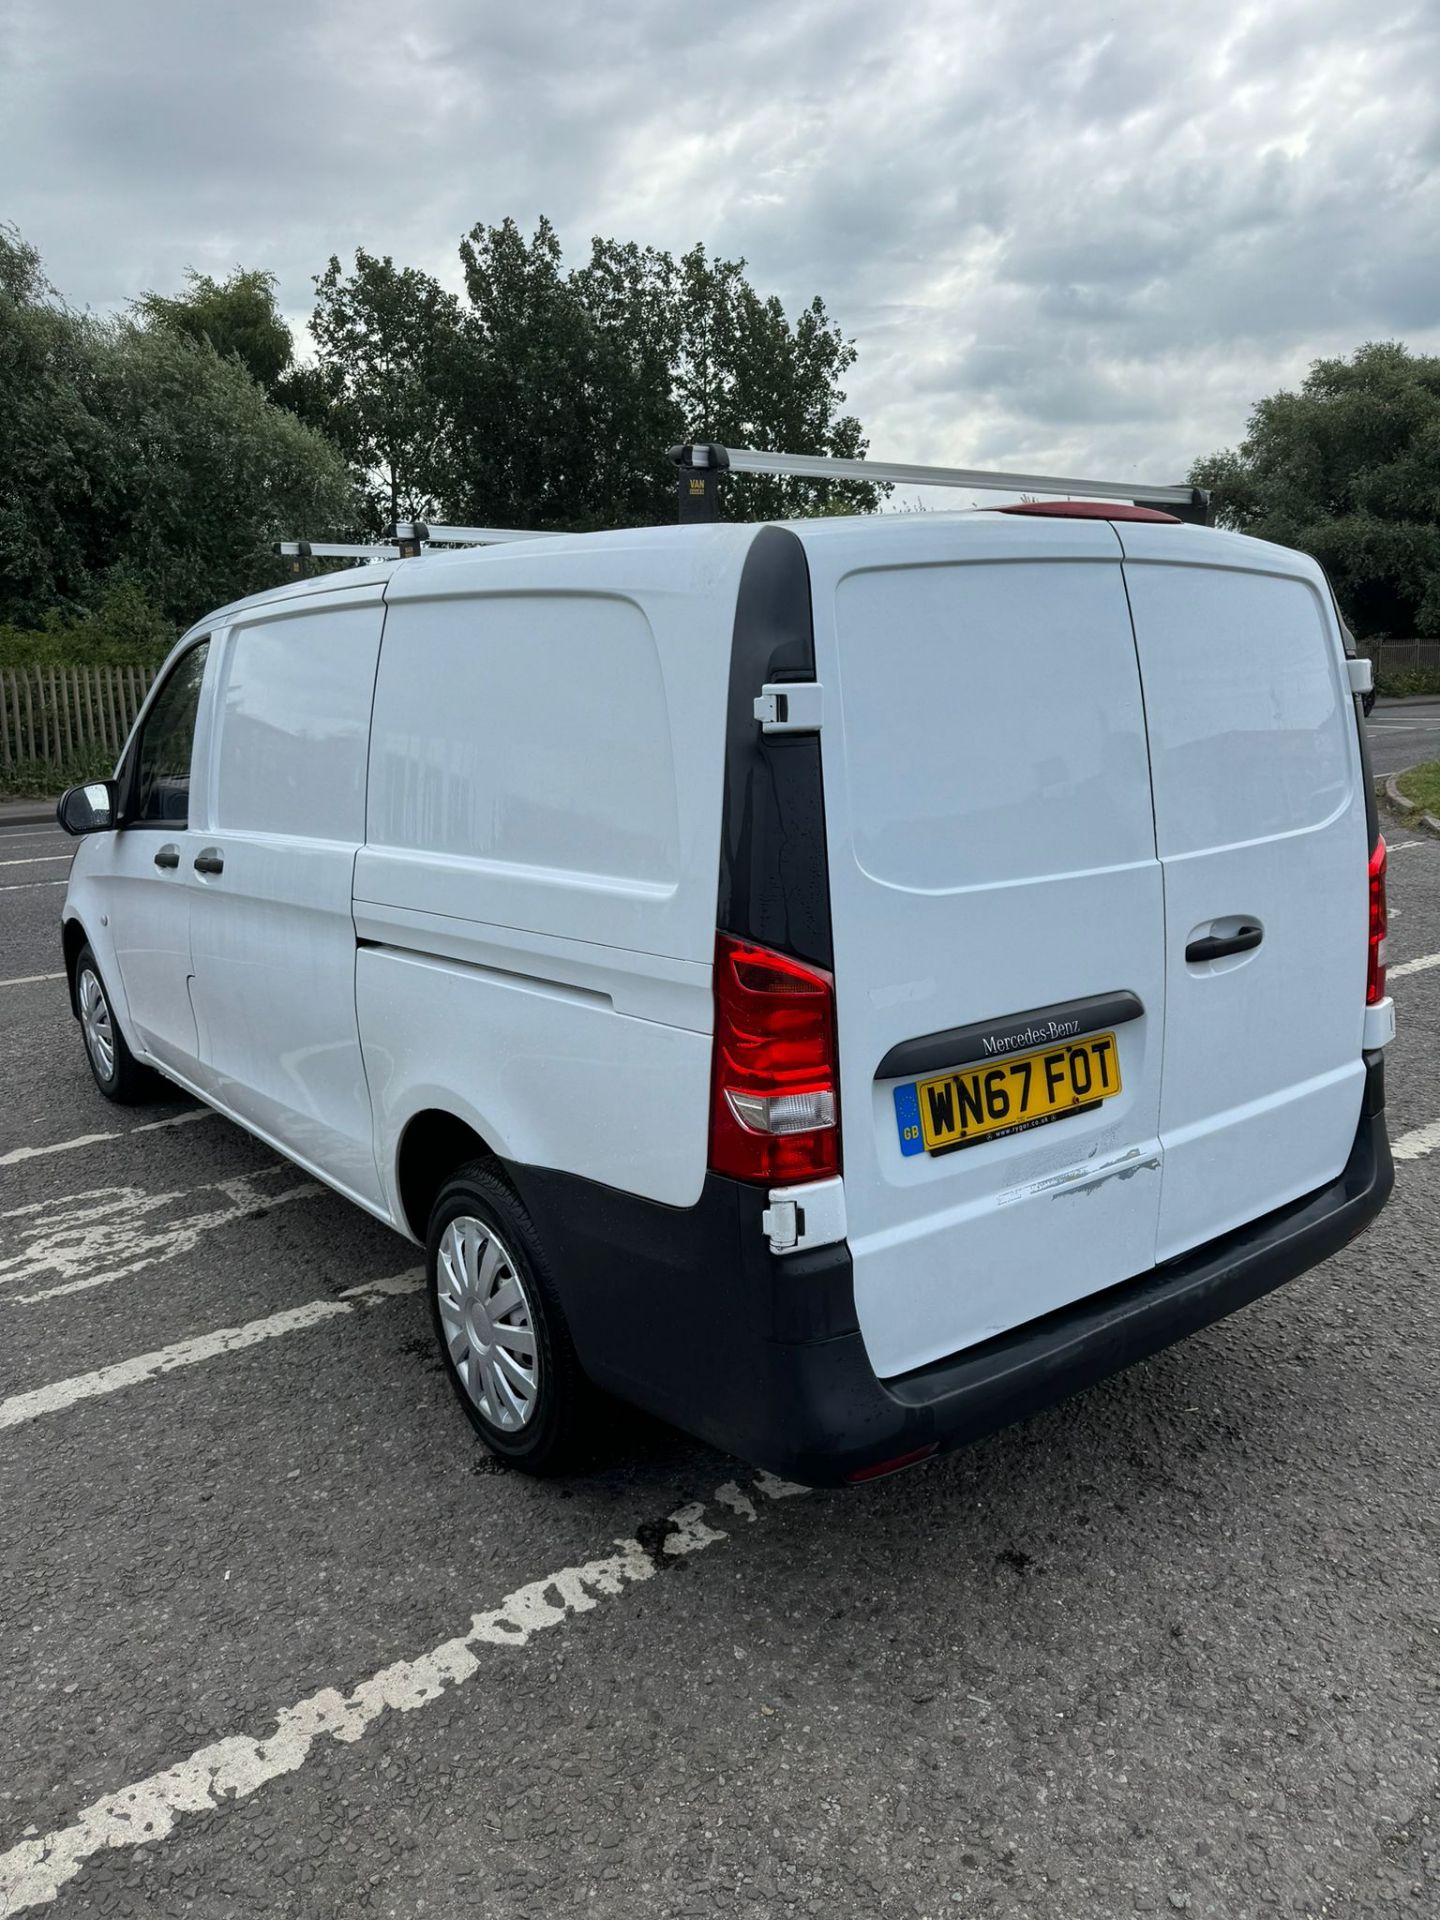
column 209, row 860
column 168, row 857
column 1215, row 946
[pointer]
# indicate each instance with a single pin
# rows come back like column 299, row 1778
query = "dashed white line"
column 1413, row 966
column 214, row 1777
column 37, row 859
column 22, row 1407
column 17, row 1154
column 1419, row 1141
column 28, row 980
column 28, row 886
column 86, row 1240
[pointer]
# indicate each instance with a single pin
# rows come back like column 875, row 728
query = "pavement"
column 277, row 1638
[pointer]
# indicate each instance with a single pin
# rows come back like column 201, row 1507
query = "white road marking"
column 38, row 859
column 1420, row 1140
column 86, row 1240
column 1404, row 846
column 17, row 1154
column 1426, row 961
column 28, row 886
column 8, row 839
column 21, row 1407
column 28, row 980
column 214, row 1777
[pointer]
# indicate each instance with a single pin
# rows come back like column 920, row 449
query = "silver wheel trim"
column 95, row 1024
column 488, row 1325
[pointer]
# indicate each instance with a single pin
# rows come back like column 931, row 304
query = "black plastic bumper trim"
column 687, row 1313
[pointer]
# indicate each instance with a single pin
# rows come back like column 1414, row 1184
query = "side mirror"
column 87, row 809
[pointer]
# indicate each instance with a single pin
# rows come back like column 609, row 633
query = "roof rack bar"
column 428, row 535
column 333, row 550
column 814, row 466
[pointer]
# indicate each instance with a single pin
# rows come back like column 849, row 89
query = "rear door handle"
column 1215, row 946
column 168, row 857
column 209, row 860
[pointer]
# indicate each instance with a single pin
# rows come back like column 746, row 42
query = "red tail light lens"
column 1379, row 925
column 774, row 1106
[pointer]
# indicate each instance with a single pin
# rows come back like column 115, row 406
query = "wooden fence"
column 67, row 716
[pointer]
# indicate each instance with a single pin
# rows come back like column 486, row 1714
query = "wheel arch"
column 433, row 1143
column 74, row 940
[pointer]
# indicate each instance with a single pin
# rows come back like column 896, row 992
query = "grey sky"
column 1075, row 236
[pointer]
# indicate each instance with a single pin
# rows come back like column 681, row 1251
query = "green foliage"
column 122, row 630
column 135, row 454
column 385, row 337
column 571, row 384
column 1421, row 786
column 238, row 317
column 1348, row 469
column 1400, row 683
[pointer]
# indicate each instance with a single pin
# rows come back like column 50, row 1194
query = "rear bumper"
column 764, row 1358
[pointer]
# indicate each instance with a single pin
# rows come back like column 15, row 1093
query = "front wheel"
column 502, row 1332
column 118, row 1074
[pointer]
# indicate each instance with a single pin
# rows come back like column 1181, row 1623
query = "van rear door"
column 996, row 906
column 1260, row 824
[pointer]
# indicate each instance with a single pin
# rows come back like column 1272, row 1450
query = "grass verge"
column 1421, row 786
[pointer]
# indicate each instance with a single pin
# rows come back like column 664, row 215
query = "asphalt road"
column 275, row 1638
column 1400, row 735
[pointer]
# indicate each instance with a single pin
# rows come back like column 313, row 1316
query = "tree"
column 386, row 337
column 135, row 454
column 1348, row 470
column 236, row 317
column 573, row 383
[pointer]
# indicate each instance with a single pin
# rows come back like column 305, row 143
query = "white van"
column 840, row 986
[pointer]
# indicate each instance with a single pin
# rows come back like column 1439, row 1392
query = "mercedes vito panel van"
column 840, row 986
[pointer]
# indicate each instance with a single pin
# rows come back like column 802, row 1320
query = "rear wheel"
column 501, row 1330
column 118, row 1074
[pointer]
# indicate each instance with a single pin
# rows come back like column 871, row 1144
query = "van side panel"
column 272, row 938
column 535, row 901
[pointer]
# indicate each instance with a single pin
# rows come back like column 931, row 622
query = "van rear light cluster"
column 774, row 1099
column 1379, row 925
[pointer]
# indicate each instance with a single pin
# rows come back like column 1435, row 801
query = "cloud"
column 1079, row 235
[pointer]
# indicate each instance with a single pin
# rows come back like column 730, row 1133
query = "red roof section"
column 1090, row 510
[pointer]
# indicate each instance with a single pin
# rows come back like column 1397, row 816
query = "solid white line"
column 28, row 886
column 38, row 859
column 21, row 1407
column 28, row 980
column 17, row 1154
column 214, row 1777
column 1420, row 1140
column 8, row 839
column 1425, row 961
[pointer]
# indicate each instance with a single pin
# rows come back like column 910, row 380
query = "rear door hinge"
column 812, row 1215
column 792, row 706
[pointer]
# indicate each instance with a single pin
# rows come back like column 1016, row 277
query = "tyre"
column 118, row 1074
column 502, row 1333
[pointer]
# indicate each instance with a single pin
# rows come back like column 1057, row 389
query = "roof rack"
column 700, row 463
column 334, row 550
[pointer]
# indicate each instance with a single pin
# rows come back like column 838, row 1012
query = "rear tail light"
column 774, row 1112
column 1379, row 922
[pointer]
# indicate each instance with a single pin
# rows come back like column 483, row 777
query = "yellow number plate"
column 1006, row 1096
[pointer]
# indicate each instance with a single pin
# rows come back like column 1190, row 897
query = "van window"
column 528, row 729
column 160, row 787
column 295, row 722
